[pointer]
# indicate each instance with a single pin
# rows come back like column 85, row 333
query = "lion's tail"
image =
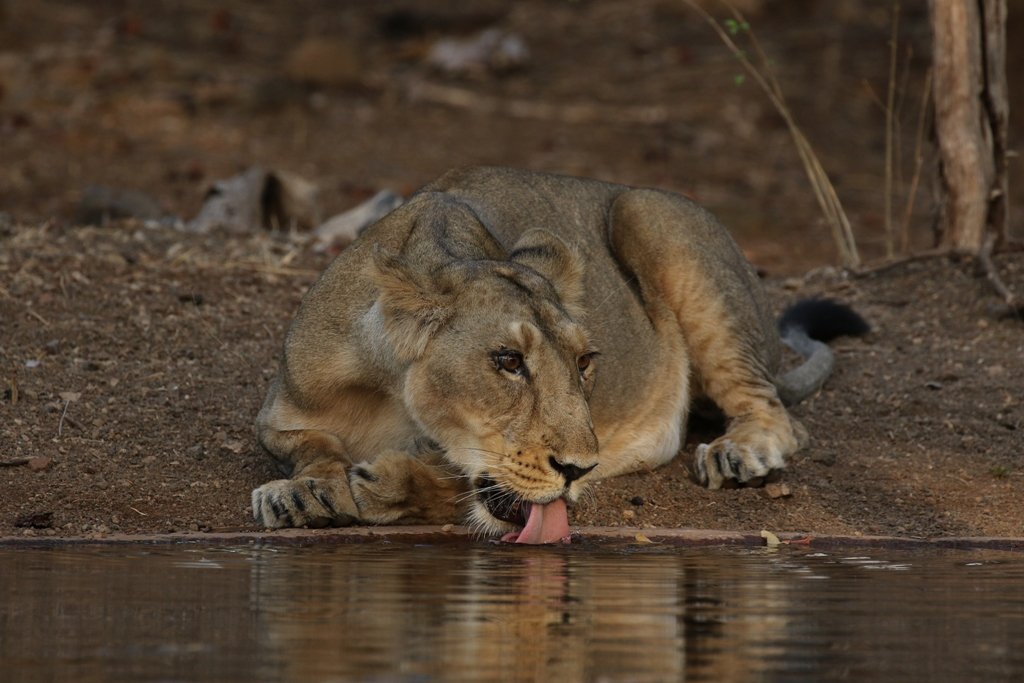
column 805, row 327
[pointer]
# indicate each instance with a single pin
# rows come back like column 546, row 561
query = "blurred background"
column 164, row 98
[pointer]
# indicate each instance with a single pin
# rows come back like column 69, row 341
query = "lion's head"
column 498, row 370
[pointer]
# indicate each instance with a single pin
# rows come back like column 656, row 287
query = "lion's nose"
column 569, row 471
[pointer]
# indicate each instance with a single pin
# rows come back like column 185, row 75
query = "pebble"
column 827, row 458
column 778, row 490
column 628, row 514
column 40, row 464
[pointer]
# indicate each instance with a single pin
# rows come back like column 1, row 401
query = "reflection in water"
column 484, row 612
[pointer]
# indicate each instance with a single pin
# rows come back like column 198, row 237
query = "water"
column 371, row 612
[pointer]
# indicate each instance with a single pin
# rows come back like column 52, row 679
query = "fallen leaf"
column 770, row 539
column 803, row 540
column 16, row 462
column 640, row 538
column 35, row 520
column 39, row 464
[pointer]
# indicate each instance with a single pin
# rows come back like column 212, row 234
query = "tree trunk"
column 971, row 112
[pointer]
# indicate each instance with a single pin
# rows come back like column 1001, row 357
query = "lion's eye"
column 584, row 361
column 510, row 361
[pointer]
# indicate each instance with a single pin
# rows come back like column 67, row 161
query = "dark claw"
column 722, row 462
column 281, row 513
column 325, row 500
column 364, row 473
column 739, row 468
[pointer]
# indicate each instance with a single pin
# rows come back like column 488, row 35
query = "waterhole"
column 375, row 612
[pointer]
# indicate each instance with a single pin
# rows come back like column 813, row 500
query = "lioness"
column 505, row 338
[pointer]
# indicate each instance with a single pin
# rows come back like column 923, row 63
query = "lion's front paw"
column 397, row 487
column 725, row 460
column 305, row 501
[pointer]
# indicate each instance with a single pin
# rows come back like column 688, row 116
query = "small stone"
column 636, row 500
column 40, row 464
column 777, row 490
column 446, row 528
column 628, row 515
column 827, row 458
column 233, row 446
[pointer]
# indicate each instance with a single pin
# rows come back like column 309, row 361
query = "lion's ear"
column 559, row 263
column 413, row 306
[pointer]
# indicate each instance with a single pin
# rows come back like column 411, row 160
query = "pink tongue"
column 548, row 523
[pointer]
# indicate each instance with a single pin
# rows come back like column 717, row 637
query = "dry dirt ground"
column 133, row 358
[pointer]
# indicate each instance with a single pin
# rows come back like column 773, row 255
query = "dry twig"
column 823, row 189
column 16, row 462
column 569, row 112
column 889, row 264
column 890, row 129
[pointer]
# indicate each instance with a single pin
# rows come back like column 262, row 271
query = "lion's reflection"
column 507, row 613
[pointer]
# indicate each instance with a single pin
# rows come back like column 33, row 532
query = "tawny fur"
column 393, row 403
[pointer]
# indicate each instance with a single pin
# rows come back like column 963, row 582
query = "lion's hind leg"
column 683, row 258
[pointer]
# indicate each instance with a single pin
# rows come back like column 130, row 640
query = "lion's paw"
column 725, row 460
column 397, row 487
column 305, row 501
column 383, row 488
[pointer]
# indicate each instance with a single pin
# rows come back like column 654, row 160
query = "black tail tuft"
column 822, row 319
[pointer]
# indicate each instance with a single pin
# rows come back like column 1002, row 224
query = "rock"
column 628, row 515
column 234, row 446
column 40, row 463
column 827, row 458
column 793, row 283
column 636, row 500
column 341, row 229
column 777, row 490
column 258, row 199
column 492, row 50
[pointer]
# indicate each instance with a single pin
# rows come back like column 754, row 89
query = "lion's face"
column 499, row 379
column 503, row 388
